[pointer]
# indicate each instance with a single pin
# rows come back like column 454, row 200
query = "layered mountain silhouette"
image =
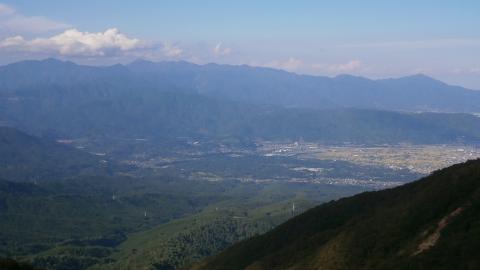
column 253, row 85
column 179, row 99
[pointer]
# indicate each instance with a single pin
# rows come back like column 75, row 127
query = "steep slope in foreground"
column 10, row 264
column 433, row 223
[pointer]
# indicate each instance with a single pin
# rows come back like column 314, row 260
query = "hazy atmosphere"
column 375, row 39
column 246, row 135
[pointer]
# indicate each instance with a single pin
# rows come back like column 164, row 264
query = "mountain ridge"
column 27, row 158
column 261, row 85
column 165, row 101
column 158, row 102
column 431, row 223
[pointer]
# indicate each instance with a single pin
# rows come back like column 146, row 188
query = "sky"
column 374, row 39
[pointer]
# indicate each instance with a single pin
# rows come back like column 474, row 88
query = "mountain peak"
column 141, row 61
column 420, row 76
column 49, row 62
column 52, row 60
column 56, row 62
column 418, row 79
column 350, row 77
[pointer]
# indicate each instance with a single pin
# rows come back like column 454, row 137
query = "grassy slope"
column 375, row 230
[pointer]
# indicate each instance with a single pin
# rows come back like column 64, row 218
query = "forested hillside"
column 27, row 158
column 432, row 223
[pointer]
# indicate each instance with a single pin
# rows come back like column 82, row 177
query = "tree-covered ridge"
column 27, row 158
column 84, row 218
column 428, row 224
column 181, row 242
column 112, row 221
column 63, row 100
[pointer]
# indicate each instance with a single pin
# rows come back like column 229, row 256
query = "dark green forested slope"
column 27, row 158
column 11, row 264
column 77, row 223
column 433, row 223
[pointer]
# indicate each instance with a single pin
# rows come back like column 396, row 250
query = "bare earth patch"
column 432, row 239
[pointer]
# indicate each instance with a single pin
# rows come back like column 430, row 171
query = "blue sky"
column 376, row 39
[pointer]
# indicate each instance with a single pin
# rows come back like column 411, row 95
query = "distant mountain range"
column 269, row 86
column 252, row 85
column 178, row 99
column 432, row 223
column 80, row 219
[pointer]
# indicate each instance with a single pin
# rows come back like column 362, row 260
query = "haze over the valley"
column 373, row 39
column 254, row 135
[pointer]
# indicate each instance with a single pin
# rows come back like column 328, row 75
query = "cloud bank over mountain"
column 73, row 42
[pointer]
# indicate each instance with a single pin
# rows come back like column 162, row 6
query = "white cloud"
column 350, row 66
column 13, row 22
column 466, row 71
column 17, row 30
column 219, row 50
column 6, row 10
column 419, row 44
column 171, row 50
column 12, row 42
column 475, row 70
column 76, row 43
column 347, row 67
column 422, row 70
column 291, row 64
